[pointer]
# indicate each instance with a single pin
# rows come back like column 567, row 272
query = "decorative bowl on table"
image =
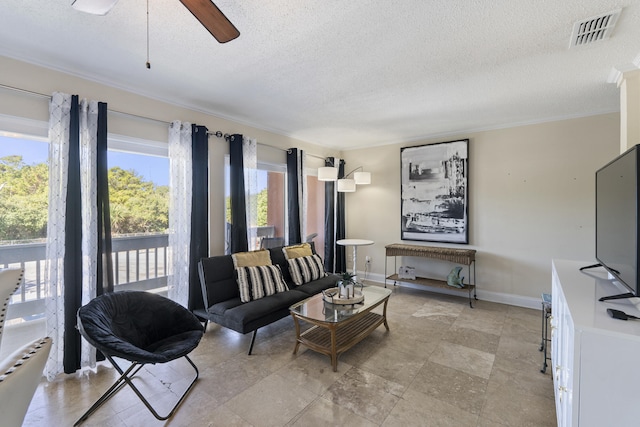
column 332, row 295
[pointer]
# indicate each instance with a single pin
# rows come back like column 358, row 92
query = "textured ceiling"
column 343, row 74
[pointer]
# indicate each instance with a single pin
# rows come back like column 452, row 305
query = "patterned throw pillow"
column 258, row 282
column 306, row 269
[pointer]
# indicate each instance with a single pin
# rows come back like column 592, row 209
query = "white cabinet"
column 595, row 359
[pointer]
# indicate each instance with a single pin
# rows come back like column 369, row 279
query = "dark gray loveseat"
column 222, row 297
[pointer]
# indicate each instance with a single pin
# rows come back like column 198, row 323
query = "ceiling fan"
column 205, row 11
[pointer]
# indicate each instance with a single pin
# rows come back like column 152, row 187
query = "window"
column 24, row 190
column 139, row 199
column 139, row 203
column 269, row 227
column 315, row 210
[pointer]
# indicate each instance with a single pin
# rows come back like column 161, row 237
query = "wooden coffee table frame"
column 333, row 338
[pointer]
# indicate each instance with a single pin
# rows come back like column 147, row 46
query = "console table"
column 459, row 256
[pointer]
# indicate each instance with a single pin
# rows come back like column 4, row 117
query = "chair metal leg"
column 544, row 315
column 253, row 339
column 125, row 379
column 544, row 343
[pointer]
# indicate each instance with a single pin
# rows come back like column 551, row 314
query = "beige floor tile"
column 417, row 409
column 443, row 311
column 523, row 325
column 312, row 371
column 519, row 350
column 323, row 413
column 465, row 359
column 273, row 401
column 393, row 365
column 419, row 328
column 508, row 406
column 485, row 422
column 472, row 338
column 390, row 378
column 458, row 388
column 519, row 378
column 365, row 394
column 408, row 343
column 487, row 321
column 362, row 351
column 490, row 306
column 403, row 304
column 513, row 311
column 224, row 381
column 219, row 417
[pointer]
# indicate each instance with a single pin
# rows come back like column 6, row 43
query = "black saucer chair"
column 140, row 327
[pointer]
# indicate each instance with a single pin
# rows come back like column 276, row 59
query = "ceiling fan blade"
column 212, row 19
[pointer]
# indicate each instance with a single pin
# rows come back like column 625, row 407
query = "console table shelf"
column 459, row 256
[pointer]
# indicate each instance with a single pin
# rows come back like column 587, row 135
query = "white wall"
column 45, row 81
column 531, row 187
column 531, row 191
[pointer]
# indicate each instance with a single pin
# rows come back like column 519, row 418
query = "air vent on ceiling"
column 594, row 29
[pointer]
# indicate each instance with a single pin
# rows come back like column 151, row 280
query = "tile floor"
column 441, row 364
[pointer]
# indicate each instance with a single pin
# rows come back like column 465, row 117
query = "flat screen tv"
column 617, row 239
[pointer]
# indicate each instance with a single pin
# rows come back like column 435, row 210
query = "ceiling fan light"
column 327, row 173
column 94, row 7
column 346, row 185
column 362, row 178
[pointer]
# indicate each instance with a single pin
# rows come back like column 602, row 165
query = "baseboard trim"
column 499, row 297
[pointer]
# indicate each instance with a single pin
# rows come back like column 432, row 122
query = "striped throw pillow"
column 260, row 281
column 306, row 269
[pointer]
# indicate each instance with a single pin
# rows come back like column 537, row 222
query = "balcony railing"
column 140, row 262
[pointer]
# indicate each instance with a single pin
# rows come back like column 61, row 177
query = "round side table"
column 355, row 243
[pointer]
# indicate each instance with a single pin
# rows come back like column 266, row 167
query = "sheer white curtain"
column 59, row 124
column 180, row 189
column 250, row 164
column 59, row 121
column 89, row 190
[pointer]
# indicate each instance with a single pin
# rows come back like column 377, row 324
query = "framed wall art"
column 434, row 192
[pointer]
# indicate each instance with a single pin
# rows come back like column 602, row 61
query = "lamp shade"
column 327, row 173
column 362, row 178
column 346, row 185
column 94, row 7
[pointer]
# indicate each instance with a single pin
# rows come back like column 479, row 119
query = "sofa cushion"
column 260, row 281
column 277, row 257
column 221, row 307
column 306, row 269
column 251, row 312
column 317, row 286
column 251, row 259
column 217, row 280
column 297, row 251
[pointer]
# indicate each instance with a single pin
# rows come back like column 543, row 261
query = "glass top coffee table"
column 336, row 327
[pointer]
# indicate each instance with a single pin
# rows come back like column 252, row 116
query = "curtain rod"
column 29, row 92
column 122, row 113
column 287, row 150
column 42, row 95
column 217, row 133
column 316, row 156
